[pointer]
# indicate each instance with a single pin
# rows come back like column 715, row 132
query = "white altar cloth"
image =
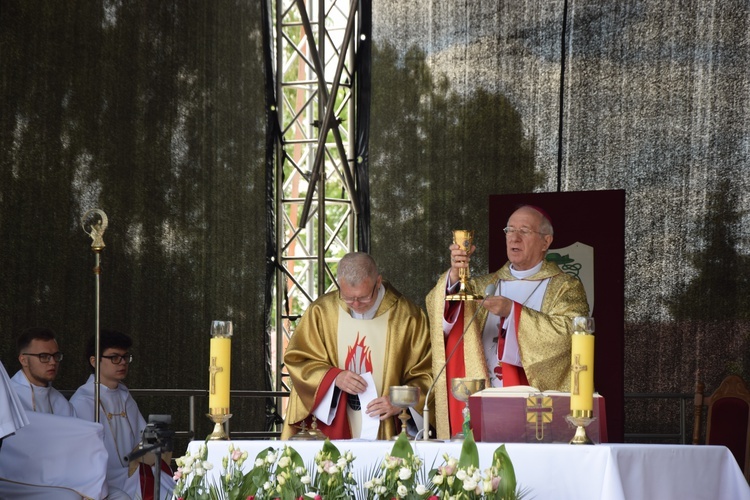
column 559, row 471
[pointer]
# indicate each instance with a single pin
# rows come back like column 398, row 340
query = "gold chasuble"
column 543, row 336
column 399, row 353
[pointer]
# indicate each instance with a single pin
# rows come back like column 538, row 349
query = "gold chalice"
column 462, row 388
column 404, row 396
column 464, row 238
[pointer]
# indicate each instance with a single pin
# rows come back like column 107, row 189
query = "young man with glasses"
column 40, row 359
column 119, row 415
column 350, row 346
column 521, row 332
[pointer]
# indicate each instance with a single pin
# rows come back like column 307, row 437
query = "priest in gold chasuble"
column 352, row 345
column 521, row 333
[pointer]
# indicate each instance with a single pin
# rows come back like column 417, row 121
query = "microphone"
column 490, row 290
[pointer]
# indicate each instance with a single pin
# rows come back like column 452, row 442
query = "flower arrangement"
column 281, row 474
column 401, row 475
column 274, row 476
column 333, row 478
column 191, row 476
column 462, row 478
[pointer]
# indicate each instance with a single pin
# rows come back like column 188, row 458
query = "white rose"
column 401, row 490
column 438, row 479
column 470, row 484
column 404, row 473
column 421, row 489
column 284, row 462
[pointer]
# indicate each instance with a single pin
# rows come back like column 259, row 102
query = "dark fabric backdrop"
column 153, row 112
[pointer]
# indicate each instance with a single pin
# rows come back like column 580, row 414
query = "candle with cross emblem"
column 582, row 378
column 219, row 372
column 582, row 366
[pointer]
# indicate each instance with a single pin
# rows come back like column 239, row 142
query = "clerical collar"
column 370, row 313
column 527, row 273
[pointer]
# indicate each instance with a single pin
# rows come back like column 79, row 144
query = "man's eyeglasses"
column 45, row 357
column 361, row 300
column 116, row 359
column 510, row 231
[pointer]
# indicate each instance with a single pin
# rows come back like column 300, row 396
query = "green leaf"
column 507, row 473
column 402, row 448
column 469, row 452
column 295, row 457
column 330, row 449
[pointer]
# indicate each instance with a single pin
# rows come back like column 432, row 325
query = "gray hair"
column 545, row 225
column 356, row 267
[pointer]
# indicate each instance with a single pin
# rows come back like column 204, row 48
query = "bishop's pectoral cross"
column 577, row 368
column 213, row 370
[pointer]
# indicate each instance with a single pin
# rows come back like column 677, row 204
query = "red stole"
column 339, row 427
column 511, row 375
column 455, row 367
column 146, row 474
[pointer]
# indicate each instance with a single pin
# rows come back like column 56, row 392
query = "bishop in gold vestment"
column 313, row 358
column 542, row 301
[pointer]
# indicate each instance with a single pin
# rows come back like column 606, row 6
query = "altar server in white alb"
column 122, row 421
column 40, row 359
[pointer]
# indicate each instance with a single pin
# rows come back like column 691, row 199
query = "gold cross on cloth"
column 213, row 370
column 539, row 412
column 577, row 368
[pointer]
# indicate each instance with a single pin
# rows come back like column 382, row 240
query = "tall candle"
column 582, row 367
column 219, row 369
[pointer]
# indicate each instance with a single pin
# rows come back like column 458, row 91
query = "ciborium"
column 405, row 397
column 462, row 388
column 465, row 239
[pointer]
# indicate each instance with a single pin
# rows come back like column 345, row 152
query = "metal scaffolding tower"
column 316, row 202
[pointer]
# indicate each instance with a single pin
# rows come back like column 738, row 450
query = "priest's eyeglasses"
column 361, row 300
column 116, row 359
column 45, row 357
column 523, row 232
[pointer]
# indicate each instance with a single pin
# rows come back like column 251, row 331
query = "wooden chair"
column 727, row 418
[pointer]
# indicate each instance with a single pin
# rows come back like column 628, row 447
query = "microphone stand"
column 490, row 290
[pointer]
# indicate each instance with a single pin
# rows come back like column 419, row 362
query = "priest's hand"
column 350, row 382
column 499, row 305
column 459, row 260
column 381, row 407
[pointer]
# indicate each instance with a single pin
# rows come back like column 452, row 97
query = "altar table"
column 557, row 471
